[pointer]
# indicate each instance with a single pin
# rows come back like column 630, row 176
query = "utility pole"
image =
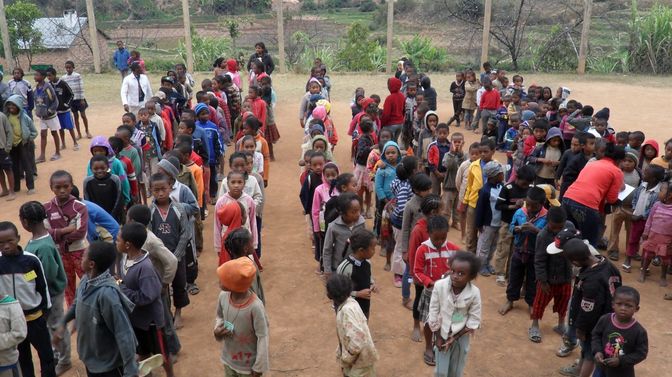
column 485, row 44
column 585, row 30
column 281, row 36
column 93, row 35
column 390, row 29
column 5, row 37
column 186, row 20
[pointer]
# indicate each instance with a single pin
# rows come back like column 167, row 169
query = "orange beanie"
column 237, row 275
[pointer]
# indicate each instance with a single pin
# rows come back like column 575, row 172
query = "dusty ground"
column 303, row 339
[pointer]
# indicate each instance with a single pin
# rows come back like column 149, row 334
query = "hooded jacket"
column 642, row 157
column 386, row 174
column 13, row 330
column 425, row 138
column 540, row 151
column 474, row 183
column 22, row 276
column 393, row 109
column 551, row 268
column 336, row 246
column 6, row 134
column 28, row 130
column 430, row 93
column 116, row 166
column 354, row 129
column 432, row 262
column 327, row 151
column 321, row 196
column 105, row 337
column 46, row 101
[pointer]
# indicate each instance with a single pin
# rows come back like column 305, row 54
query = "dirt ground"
column 303, row 339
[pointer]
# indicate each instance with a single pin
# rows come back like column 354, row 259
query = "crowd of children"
column 135, row 236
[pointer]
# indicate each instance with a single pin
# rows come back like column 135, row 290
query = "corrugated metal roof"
column 55, row 33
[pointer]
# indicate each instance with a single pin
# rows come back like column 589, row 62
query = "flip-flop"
column 146, row 366
column 193, row 289
column 429, row 360
column 534, row 334
column 40, row 160
column 55, row 158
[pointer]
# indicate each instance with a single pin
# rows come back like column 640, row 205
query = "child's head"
column 151, row 107
column 407, row 167
column 457, row 140
column 556, row 219
column 128, row 119
column 442, row 132
column 487, row 83
column 486, row 149
column 464, row 267
column 235, row 182
column 251, row 126
column 349, row 207
column 653, row 175
column 540, row 129
column 248, row 144
column 474, row 151
column 366, row 125
column 98, row 258
column 249, row 162
column 317, row 161
column 124, row 133
column 494, row 172
column 363, row 244
column 320, row 144
column 40, row 75
column 625, row 303
column 186, row 127
column 237, row 162
column 253, row 92
column 17, row 74
column 622, row 138
column 536, row 198
column 491, row 124
column 577, row 252
column 586, row 142
column 517, row 80
column 60, row 183
column 391, row 153
column 159, row 185
column 470, row 76
column 431, row 205
column 329, row 173
column 140, row 214
column 384, row 136
column 131, row 237
column 346, row 182
column 239, row 242
column 554, row 138
column 237, row 275
column 668, row 150
column 411, row 89
column 437, row 226
column 184, row 151
column 11, row 106
column 32, row 214
column 421, row 184
column 635, row 139
column 459, row 76
column 9, row 239
column 421, row 111
column 314, row 86
column 143, row 115
column 525, row 176
column 629, row 163
column 525, row 132
column 339, row 288
column 99, row 166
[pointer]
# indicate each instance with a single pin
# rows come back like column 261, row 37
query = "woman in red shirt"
column 598, row 184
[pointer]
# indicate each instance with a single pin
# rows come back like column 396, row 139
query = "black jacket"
column 592, row 295
column 551, row 269
column 269, row 65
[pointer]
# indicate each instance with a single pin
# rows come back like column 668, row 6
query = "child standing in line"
column 357, row 267
column 134, row 154
column 455, row 313
column 6, row 143
column 425, row 138
column 21, row 274
column 461, row 178
column 577, row 162
column 249, row 145
column 241, row 324
column 323, row 193
column 665, row 160
column 78, row 104
column 547, row 157
column 436, row 151
column 622, row 215
column 238, row 244
column 619, row 341
column 32, row 216
column 22, row 153
column 101, row 147
column 171, row 224
column 150, row 143
column 336, row 246
column 67, row 222
column 473, row 186
column 19, row 86
column 451, row 162
column 525, row 224
column 14, row 328
column 214, row 145
column 431, row 262
column 141, row 284
column 235, row 182
column 385, row 175
column 46, row 106
column 402, row 192
column 365, row 145
column 488, row 217
column 657, row 237
column 457, row 88
column 251, row 127
column 117, row 146
column 648, row 152
column 643, row 199
column 356, row 352
column 469, row 103
column 103, row 187
column 65, row 96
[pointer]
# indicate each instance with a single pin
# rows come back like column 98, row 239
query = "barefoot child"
column 454, row 313
column 22, row 151
column 238, row 244
column 619, row 341
column 241, row 323
column 357, row 267
column 356, row 352
column 461, row 178
column 78, row 104
column 488, row 217
column 431, row 262
column 657, row 237
column 64, row 95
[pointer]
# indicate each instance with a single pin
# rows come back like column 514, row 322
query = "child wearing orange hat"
column 241, row 322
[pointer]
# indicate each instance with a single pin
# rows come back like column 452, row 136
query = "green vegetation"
column 20, row 17
column 358, row 52
column 424, row 54
column 651, row 43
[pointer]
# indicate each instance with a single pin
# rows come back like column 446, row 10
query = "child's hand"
column 612, row 362
column 374, row 288
column 519, row 203
column 449, row 342
column 599, row 358
column 220, row 332
column 364, row 293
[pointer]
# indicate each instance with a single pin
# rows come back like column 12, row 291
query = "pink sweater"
column 659, row 220
column 250, row 222
column 320, row 198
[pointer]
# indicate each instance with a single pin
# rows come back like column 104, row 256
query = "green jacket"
column 45, row 250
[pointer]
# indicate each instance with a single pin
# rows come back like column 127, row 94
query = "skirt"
column 362, row 180
column 423, row 306
column 271, row 133
column 658, row 245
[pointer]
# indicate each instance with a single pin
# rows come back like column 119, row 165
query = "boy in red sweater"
column 432, row 260
column 393, row 109
column 490, row 101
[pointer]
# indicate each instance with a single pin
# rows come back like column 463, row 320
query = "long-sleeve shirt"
column 76, row 85
column 13, row 330
column 172, row 227
column 22, row 277
column 165, row 263
column 250, row 222
column 246, row 349
column 449, row 313
column 45, row 249
column 355, row 345
column 490, row 100
column 141, row 284
column 336, row 246
column 432, row 262
column 659, row 220
column 410, row 217
column 61, row 215
column 106, row 192
column 551, row 268
column 132, row 87
column 597, row 184
column 486, row 211
column 628, row 342
column 120, row 57
column 64, row 94
column 46, row 102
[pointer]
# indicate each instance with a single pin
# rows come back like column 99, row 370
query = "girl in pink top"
column 322, row 194
column 658, row 236
column 232, row 70
column 236, row 182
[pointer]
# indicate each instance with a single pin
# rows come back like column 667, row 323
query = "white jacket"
column 452, row 315
column 129, row 90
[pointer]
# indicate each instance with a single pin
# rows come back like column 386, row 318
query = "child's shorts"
column 65, row 119
column 5, row 160
column 151, row 341
column 362, row 179
column 423, row 306
column 78, row 105
column 51, row 124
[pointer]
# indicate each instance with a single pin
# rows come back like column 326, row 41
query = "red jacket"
column 529, row 144
column 59, row 216
column 419, row 234
column 431, row 263
column 395, row 103
column 490, row 100
column 167, row 117
column 598, row 183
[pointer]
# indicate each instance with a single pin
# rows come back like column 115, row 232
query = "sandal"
column 626, row 267
column 429, row 359
column 55, row 157
column 613, row 255
column 193, row 289
column 668, row 296
column 40, row 160
column 534, row 334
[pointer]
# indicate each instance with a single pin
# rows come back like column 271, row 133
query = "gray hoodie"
column 13, row 330
column 336, row 246
column 105, row 337
column 28, row 131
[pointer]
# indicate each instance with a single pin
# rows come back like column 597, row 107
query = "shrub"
column 309, row 5
column 205, row 51
column 367, row 6
column 423, row 54
column 356, row 50
column 651, row 41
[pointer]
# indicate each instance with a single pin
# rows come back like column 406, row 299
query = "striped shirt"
column 402, row 192
column 76, row 84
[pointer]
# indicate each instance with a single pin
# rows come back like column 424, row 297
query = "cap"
column 492, row 168
column 161, row 95
column 551, row 194
column 237, row 275
column 561, row 239
column 167, row 79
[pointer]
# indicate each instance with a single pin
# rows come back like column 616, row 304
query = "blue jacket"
column 524, row 242
column 98, row 217
column 214, row 141
column 486, row 213
column 121, row 58
column 652, row 199
column 386, row 174
column 46, row 102
column 105, row 337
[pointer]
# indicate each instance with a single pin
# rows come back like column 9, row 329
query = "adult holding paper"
column 594, row 192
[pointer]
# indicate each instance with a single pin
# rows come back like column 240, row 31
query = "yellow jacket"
column 474, row 183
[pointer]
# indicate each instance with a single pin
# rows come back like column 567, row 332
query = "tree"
column 25, row 39
column 355, row 53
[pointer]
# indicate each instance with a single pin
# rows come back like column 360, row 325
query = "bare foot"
column 4, row 193
column 506, row 308
column 178, row 322
column 662, row 283
column 415, row 335
column 11, row 197
column 642, row 277
column 407, row 303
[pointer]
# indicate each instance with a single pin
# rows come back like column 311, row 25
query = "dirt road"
column 303, row 339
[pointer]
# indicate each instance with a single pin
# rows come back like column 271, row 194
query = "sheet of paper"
column 626, row 191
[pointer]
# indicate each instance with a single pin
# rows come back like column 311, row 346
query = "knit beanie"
column 237, row 275
column 632, row 154
column 170, row 169
column 200, row 107
column 602, row 114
